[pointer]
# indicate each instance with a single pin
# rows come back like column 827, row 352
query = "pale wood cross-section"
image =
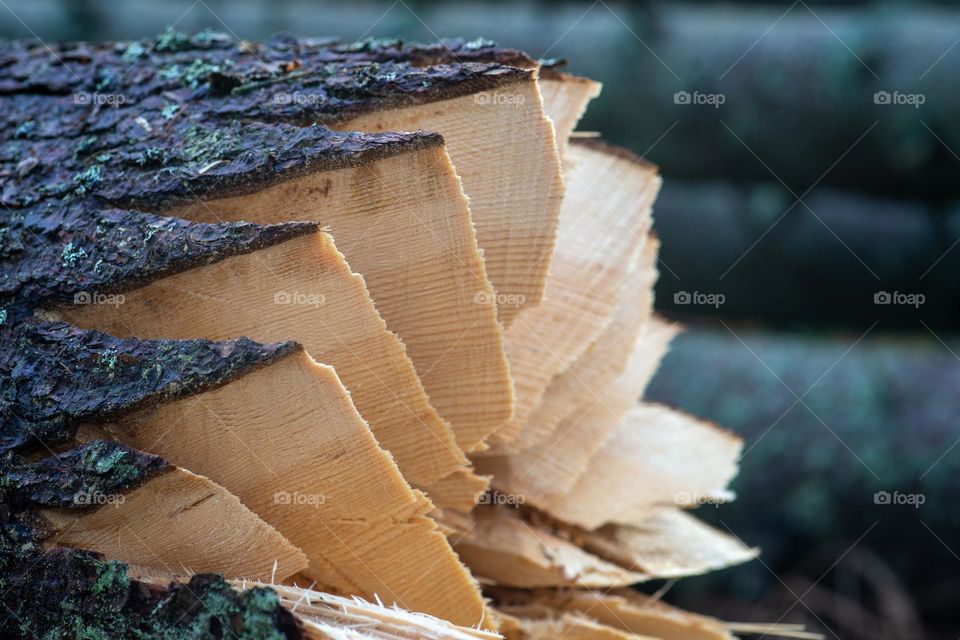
column 403, row 224
column 504, row 149
column 501, row 547
column 286, row 439
column 585, row 382
column 565, row 99
column 178, row 523
column 656, row 457
column 669, row 544
column 592, row 396
column 303, row 289
column 604, row 219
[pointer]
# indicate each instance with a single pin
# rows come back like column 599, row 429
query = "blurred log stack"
column 369, row 319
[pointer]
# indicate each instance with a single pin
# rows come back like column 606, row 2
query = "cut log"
column 403, row 224
column 266, row 422
column 605, row 217
column 135, row 508
column 628, row 611
column 502, row 548
column 268, row 286
column 490, row 114
column 178, row 524
column 504, row 151
column 565, row 99
column 392, row 201
column 55, row 376
column 243, row 156
column 304, row 460
column 656, row 457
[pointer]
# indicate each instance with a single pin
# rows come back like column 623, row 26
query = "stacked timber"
column 293, row 328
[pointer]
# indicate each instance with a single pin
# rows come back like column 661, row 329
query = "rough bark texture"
column 66, row 593
column 52, row 376
column 67, row 479
column 31, row 67
column 152, row 122
column 144, row 159
column 233, row 81
column 61, row 253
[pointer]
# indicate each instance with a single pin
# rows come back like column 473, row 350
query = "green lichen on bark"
column 177, row 60
column 65, row 253
column 84, row 476
column 144, row 160
column 209, row 116
column 54, row 376
column 67, row 594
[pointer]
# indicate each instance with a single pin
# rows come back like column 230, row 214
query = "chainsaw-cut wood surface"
column 449, row 289
column 604, row 219
column 591, row 375
column 503, row 548
column 504, row 149
column 329, row 616
column 625, row 610
column 287, row 440
column 656, row 457
column 459, row 491
column 403, row 224
column 302, row 289
column 179, row 523
column 669, row 544
column 565, row 99
column 592, row 396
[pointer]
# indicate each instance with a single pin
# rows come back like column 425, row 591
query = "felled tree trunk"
column 324, row 325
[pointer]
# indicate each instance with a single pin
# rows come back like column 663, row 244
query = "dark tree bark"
column 66, row 593
column 53, row 376
column 52, row 254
